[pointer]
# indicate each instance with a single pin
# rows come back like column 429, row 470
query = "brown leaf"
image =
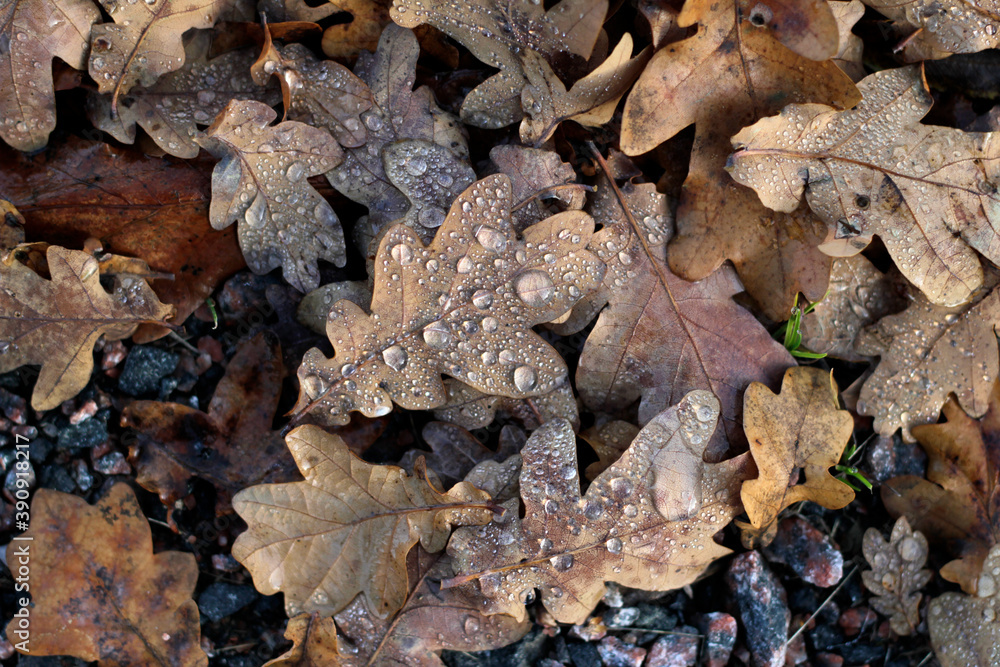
column 646, row 522
column 943, row 28
column 959, row 502
column 55, row 323
column 928, row 192
column 896, row 576
column 368, row 19
column 35, row 32
column 454, row 452
column 11, row 229
column 964, row 631
column 660, row 337
column 662, row 19
column 346, row 529
column 733, row 71
column 144, row 42
column 473, row 409
column 98, row 591
column 928, row 352
column 137, row 205
column 859, row 295
column 802, row 428
column 608, row 441
column 536, row 175
column 232, row 445
column 462, row 306
column 319, row 93
column 261, row 181
column 314, row 643
column 171, row 109
column 848, row 58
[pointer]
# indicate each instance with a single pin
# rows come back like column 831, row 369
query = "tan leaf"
column 959, row 502
column 802, row 428
column 171, row 109
column 314, row 643
column 928, row 192
column 536, row 175
column 944, row 27
column 462, row 306
column 608, row 441
column 859, row 295
column 660, row 337
column 55, row 323
column 734, row 70
column 144, row 42
column 98, row 591
column 261, row 181
column 321, row 93
column 896, row 576
column 454, row 452
column 848, row 58
column 964, row 629
column 473, row 409
column 928, row 352
column 35, row 32
column 11, row 229
column 368, row 19
column 662, row 19
column 646, row 522
column 346, row 529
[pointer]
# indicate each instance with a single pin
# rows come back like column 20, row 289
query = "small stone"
column 113, row 464
column 807, row 551
column 84, row 412
column 616, row 653
column 13, row 407
column 621, row 618
column 762, row 605
column 856, row 619
column 680, row 650
column 828, row 660
column 56, row 478
column 86, row 434
column 145, row 366
column 591, row 631
column 584, row 655
column 222, row 599
column 114, row 353
column 82, row 475
column 719, row 630
column 225, row 563
column 890, row 457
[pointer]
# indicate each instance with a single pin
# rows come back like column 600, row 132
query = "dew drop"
column 562, row 562
column 482, row 299
column 614, row 545
column 525, row 378
column 535, row 288
column 437, row 335
column 491, row 239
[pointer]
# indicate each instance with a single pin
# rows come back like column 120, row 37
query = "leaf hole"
column 862, row 202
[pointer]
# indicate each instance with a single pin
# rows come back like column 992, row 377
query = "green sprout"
column 846, row 470
column 210, row 302
column 792, row 331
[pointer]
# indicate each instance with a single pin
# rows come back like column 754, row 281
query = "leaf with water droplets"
column 55, row 323
column 964, row 629
column 261, row 181
column 454, row 452
column 171, row 109
column 733, row 71
column 941, row 28
column 536, row 175
column 314, row 642
column 33, row 33
column 928, row 192
column 800, row 429
column 959, row 502
column 848, row 58
column 896, row 576
column 473, row 409
column 144, row 41
column 659, row 337
column 347, row 528
column 462, row 306
column 646, row 522
column 928, row 352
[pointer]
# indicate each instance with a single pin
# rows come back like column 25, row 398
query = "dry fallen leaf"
column 144, row 41
column 608, row 441
column 232, row 445
column 536, row 175
column 314, row 643
column 261, row 181
column 896, row 576
column 98, row 591
column 34, row 32
column 964, row 629
column 848, row 58
column 928, row 192
column 55, row 323
column 646, row 522
column 942, row 28
column 454, row 452
column 660, row 337
column 800, row 429
column 171, row 109
column 473, row 409
column 462, row 306
column 959, row 502
column 733, row 71
column 346, row 529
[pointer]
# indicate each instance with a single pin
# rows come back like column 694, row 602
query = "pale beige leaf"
column 536, row 175
column 944, row 27
column 473, row 409
column 848, row 58
column 896, row 576
column 964, row 629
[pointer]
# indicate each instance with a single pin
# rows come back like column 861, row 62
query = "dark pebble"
column 616, row 653
column 56, row 477
column 826, row 637
column 222, row 599
column 807, row 551
column 84, row 435
column 39, row 449
column 860, row 654
column 680, row 650
column 720, row 636
column 890, row 457
column 762, row 607
column 654, row 617
column 145, row 366
column 113, row 464
column 525, row 653
column 584, row 655
column 13, row 407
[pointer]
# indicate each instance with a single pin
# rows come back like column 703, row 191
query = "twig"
column 820, row 608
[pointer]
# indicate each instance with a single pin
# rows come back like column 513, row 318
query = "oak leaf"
column 34, row 32
column 943, row 28
column 608, row 441
column 959, row 502
column 315, row 643
column 137, row 205
column 171, row 109
column 659, row 337
column 454, row 452
column 964, row 629
column 55, row 323
column 473, row 409
column 896, row 576
column 261, row 181
column 848, row 58
column 144, row 41
column 802, row 428
column 99, row 593
column 346, row 529
column 928, row 192
column 733, row 71
column 536, row 175
column 462, row 306
column 646, row 522
column 232, row 445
